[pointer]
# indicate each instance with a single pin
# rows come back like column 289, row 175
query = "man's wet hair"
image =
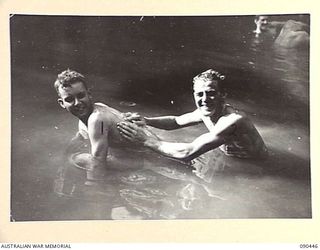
column 209, row 76
column 68, row 77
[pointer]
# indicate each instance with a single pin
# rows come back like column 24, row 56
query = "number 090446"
column 308, row 245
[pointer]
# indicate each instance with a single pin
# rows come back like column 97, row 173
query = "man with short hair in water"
column 287, row 34
column 230, row 130
column 97, row 121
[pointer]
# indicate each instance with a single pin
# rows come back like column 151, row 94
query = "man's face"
column 76, row 99
column 262, row 22
column 207, row 97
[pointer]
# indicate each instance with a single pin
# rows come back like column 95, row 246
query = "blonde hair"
column 210, row 76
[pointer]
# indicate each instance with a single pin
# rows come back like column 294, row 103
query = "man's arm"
column 98, row 135
column 166, row 122
column 185, row 151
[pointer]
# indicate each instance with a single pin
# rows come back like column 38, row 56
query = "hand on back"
column 135, row 118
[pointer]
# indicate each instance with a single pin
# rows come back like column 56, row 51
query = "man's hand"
column 136, row 133
column 134, row 118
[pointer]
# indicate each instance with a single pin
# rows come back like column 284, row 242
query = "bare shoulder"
column 230, row 119
column 233, row 114
column 99, row 115
column 239, row 121
column 230, row 123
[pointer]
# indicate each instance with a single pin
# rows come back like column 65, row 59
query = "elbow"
column 185, row 154
column 181, row 156
column 188, row 157
column 181, row 151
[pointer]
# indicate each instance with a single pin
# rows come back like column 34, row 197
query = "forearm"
column 181, row 151
column 99, row 152
column 99, row 148
column 163, row 122
column 95, row 168
column 185, row 151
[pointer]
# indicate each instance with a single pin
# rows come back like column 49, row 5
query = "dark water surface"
column 150, row 62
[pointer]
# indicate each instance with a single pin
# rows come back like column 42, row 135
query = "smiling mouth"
column 205, row 106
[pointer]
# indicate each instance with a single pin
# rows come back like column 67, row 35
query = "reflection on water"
column 149, row 202
column 137, row 178
column 160, row 188
column 132, row 70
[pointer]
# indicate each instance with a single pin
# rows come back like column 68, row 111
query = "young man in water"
column 97, row 121
column 229, row 129
column 288, row 34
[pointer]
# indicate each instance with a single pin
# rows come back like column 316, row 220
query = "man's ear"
column 61, row 103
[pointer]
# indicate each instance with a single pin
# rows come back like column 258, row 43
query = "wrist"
column 152, row 143
column 146, row 120
column 97, row 160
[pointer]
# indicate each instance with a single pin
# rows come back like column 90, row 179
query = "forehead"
column 201, row 85
column 261, row 18
column 72, row 89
